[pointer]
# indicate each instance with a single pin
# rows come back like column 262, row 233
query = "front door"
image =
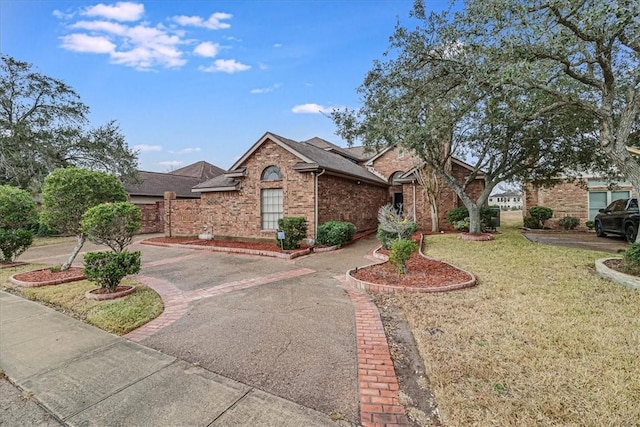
column 397, row 201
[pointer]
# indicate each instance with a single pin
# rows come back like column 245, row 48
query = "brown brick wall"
column 152, row 217
column 343, row 199
column 237, row 213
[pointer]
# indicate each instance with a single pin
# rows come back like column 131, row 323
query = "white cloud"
column 187, row 150
column 101, row 26
column 62, row 15
column 207, row 49
column 311, row 109
column 277, row 45
column 170, row 163
column 265, row 89
column 121, row 11
column 214, row 22
column 110, row 29
column 225, row 66
column 87, row 44
column 145, row 148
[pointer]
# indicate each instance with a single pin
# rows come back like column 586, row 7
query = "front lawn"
column 542, row 340
column 118, row 316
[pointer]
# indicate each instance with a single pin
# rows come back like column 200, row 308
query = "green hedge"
column 335, row 233
column 295, row 229
column 107, row 269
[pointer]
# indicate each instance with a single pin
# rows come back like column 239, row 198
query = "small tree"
column 112, row 224
column 68, row 193
column 18, row 216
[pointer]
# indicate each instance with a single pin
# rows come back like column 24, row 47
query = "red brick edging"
column 176, row 302
column 377, row 381
column 22, row 284
column 375, row 287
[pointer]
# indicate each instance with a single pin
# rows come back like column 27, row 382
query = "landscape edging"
column 627, row 280
column 374, row 287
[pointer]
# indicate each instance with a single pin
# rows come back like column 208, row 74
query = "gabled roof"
column 156, row 183
column 410, row 175
column 312, row 158
column 203, row 170
column 360, row 152
column 329, row 146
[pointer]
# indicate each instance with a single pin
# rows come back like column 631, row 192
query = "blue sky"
column 204, row 80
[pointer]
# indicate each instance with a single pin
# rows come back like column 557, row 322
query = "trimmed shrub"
column 631, row 259
column 568, row 222
column 401, row 251
column 590, row 224
column 530, row 222
column 457, row 214
column 540, row 214
column 335, row 233
column 13, row 243
column 462, row 225
column 295, row 229
column 112, row 224
column 107, row 269
column 459, row 218
column 17, row 209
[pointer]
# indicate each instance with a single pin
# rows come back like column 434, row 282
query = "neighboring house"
column 314, row 179
column 581, row 199
column 148, row 192
column 509, row 200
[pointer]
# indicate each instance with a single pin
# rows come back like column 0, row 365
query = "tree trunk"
column 435, row 214
column 475, row 226
column 81, row 239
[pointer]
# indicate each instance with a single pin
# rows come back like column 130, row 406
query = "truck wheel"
column 599, row 231
column 630, row 233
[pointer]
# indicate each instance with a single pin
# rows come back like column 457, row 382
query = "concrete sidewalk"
column 85, row 376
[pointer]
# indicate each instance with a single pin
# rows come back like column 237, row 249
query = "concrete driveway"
column 581, row 240
column 285, row 327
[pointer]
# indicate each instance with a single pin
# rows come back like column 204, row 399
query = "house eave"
column 214, row 189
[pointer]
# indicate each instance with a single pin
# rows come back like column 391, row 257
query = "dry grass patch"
column 118, row 316
column 541, row 341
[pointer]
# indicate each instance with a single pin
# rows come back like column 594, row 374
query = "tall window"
column 271, row 209
column 271, row 173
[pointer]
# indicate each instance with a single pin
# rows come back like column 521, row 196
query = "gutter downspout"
column 315, row 198
column 413, row 184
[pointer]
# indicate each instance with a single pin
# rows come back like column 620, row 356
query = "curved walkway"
column 187, row 282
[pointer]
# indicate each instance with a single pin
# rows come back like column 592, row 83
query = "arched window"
column 271, row 173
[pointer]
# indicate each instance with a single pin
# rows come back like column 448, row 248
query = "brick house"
column 581, row 199
column 148, row 192
column 397, row 166
column 314, row 179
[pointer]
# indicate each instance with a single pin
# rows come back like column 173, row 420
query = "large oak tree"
column 437, row 93
column 44, row 126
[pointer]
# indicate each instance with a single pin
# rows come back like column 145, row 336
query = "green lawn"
column 542, row 339
column 118, row 316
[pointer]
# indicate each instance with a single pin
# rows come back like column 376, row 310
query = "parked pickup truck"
column 621, row 217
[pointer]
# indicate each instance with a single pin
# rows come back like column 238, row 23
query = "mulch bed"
column 421, row 273
column 617, row 265
column 46, row 276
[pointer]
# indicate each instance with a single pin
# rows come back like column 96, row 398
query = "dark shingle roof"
column 155, row 184
column 330, row 161
column 201, row 169
column 329, row 146
column 360, row 153
column 220, row 181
